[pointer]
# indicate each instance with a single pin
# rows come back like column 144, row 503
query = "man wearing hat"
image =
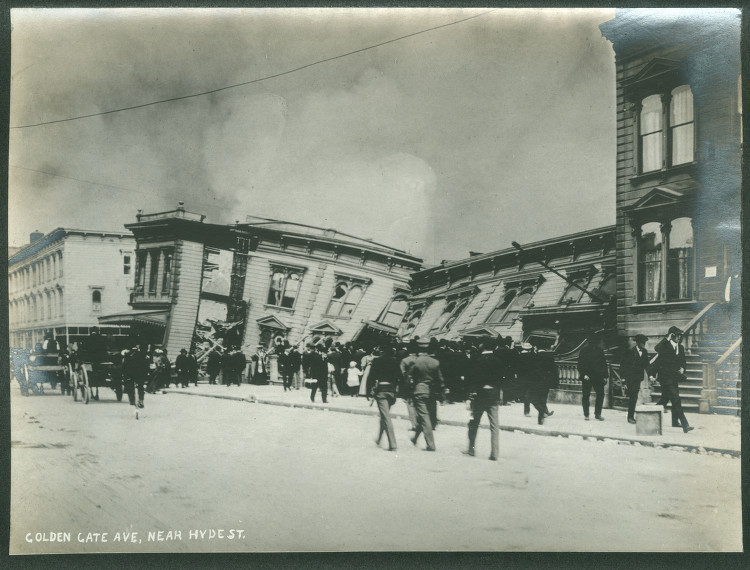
column 525, row 368
column 427, row 381
column 592, row 367
column 670, row 369
column 633, row 367
column 181, row 365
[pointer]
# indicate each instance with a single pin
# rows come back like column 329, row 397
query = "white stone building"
column 64, row 280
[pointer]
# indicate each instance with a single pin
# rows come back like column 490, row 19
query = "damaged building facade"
column 674, row 256
column 259, row 282
column 510, row 293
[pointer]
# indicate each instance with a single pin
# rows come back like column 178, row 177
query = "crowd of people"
column 487, row 374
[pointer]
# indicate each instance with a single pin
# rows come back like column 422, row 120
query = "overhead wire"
column 258, row 80
column 145, row 192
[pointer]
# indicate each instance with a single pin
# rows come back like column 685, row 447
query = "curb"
column 698, row 449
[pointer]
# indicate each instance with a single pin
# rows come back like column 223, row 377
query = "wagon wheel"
column 73, row 375
column 29, row 383
column 85, row 389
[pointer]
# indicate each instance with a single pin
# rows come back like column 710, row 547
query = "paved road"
column 278, row 479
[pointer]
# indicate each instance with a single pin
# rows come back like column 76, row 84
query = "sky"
column 447, row 131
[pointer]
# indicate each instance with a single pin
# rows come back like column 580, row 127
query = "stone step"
column 726, row 410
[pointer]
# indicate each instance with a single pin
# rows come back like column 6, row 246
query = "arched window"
column 499, row 312
column 608, row 286
column 337, row 301
column 395, row 311
column 451, row 312
column 456, row 313
column 666, row 129
column 347, row 294
column 352, row 300
column 518, row 303
column 681, row 124
column 650, row 262
column 680, row 260
column 166, row 277
column 96, row 301
column 651, row 133
column 444, row 316
column 572, row 293
column 412, row 321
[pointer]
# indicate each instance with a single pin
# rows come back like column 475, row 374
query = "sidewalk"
column 712, row 434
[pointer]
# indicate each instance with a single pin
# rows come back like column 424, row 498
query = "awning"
column 157, row 318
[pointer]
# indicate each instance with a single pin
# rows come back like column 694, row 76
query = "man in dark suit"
column 632, row 368
column 427, row 381
column 485, row 382
column 669, row 367
column 319, row 372
column 592, row 367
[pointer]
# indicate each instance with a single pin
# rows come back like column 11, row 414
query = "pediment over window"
column 666, row 197
column 463, row 291
column 272, row 322
column 658, row 74
column 532, row 281
column 480, row 330
column 326, row 327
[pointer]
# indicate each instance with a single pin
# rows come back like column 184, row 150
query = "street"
column 197, row 474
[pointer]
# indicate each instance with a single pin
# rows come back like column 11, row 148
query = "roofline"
column 537, row 244
column 340, row 233
column 55, row 235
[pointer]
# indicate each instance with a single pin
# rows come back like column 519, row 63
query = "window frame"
column 287, row 270
column 461, row 304
column 666, row 265
column 586, row 276
column 96, row 306
column 667, row 129
column 166, row 256
column 351, row 283
column 516, row 288
column 387, row 311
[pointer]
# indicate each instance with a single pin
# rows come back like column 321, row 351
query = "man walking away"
column 633, row 367
column 385, row 375
column 485, row 382
column 592, row 367
column 525, row 368
column 134, row 372
column 427, row 380
column 319, row 372
column 406, row 393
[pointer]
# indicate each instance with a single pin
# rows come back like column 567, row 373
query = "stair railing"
column 697, row 327
column 713, row 373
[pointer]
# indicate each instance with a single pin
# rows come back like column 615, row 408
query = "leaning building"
column 259, row 282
